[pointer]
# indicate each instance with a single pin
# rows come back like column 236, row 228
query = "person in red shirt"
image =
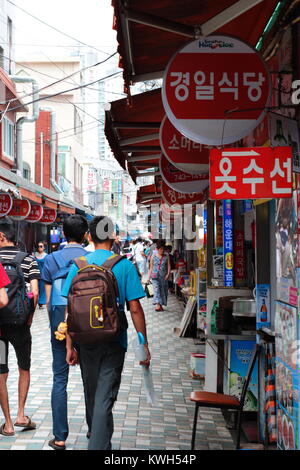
column 4, row 281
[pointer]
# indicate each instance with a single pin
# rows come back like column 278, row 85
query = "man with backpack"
column 55, row 271
column 15, row 321
column 97, row 288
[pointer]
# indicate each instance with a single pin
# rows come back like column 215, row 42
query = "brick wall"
column 43, row 125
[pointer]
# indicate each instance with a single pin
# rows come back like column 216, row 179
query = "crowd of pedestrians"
column 51, row 279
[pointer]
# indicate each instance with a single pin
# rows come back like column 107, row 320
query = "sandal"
column 4, row 433
column 30, row 425
column 55, row 446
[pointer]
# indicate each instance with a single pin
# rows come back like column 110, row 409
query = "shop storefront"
column 237, row 121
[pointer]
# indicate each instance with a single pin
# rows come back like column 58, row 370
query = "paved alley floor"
column 167, row 426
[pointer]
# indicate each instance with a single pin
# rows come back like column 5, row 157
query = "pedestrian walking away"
column 40, row 256
column 15, row 322
column 159, row 273
column 55, row 271
column 102, row 362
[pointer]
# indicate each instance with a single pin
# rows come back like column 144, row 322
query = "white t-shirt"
column 90, row 247
column 139, row 249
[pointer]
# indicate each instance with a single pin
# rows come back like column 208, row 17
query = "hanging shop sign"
column 35, row 214
column 251, row 173
column 215, row 90
column 183, row 153
column 6, row 202
column 20, row 209
column 49, row 216
column 228, row 243
column 284, row 131
column 170, row 196
column 181, row 181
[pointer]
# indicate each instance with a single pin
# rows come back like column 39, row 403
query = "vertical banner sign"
column 205, row 225
column 219, row 228
column 239, row 255
column 228, row 243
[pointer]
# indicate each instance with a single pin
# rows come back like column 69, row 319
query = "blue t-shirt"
column 129, row 284
column 50, row 269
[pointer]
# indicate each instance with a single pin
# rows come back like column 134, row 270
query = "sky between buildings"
column 89, row 21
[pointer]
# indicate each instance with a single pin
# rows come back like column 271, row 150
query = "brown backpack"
column 93, row 310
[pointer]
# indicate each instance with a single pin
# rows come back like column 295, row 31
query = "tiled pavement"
column 137, row 425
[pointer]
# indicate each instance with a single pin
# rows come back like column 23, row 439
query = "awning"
column 150, row 194
column 132, row 131
column 149, row 33
column 11, row 93
column 9, row 188
column 20, row 187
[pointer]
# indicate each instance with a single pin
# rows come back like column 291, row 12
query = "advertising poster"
column 287, row 395
column 286, row 328
column 284, row 131
column 263, row 306
column 286, row 249
column 240, row 356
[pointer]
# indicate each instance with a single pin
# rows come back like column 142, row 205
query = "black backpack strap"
column 19, row 258
column 112, row 261
column 81, row 262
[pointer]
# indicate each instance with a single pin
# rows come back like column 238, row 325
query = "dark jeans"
column 101, row 367
column 60, row 378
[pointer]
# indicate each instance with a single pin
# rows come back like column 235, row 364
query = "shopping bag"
column 149, row 290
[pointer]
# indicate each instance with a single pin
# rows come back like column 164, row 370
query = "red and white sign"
column 20, row 209
column 182, row 152
column 91, row 180
column 181, row 181
column 170, row 212
column 170, row 196
column 49, row 216
column 36, row 213
column 5, row 204
column 251, row 173
column 210, row 78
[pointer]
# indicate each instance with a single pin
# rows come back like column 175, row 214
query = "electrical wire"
column 59, row 80
column 65, row 91
column 55, row 29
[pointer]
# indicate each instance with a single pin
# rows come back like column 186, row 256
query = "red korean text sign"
column 20, row 209
column 182, row 152
column 181, row 181
column 215, row 90
column 5, row 204
column 36, row 213
column 49, row 216
column 251, row 173
column 170, row 196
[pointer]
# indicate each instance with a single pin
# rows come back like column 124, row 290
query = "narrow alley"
column 166, row 426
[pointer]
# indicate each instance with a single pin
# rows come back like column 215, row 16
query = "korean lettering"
column 229, row 88
column 254, row 85
column 174, row 144
column 181, row 83
column 278, row 171
column 204, row 92
column 225, row 168
column 253, row 181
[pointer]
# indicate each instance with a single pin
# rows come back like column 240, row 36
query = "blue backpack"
column 60, row 278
